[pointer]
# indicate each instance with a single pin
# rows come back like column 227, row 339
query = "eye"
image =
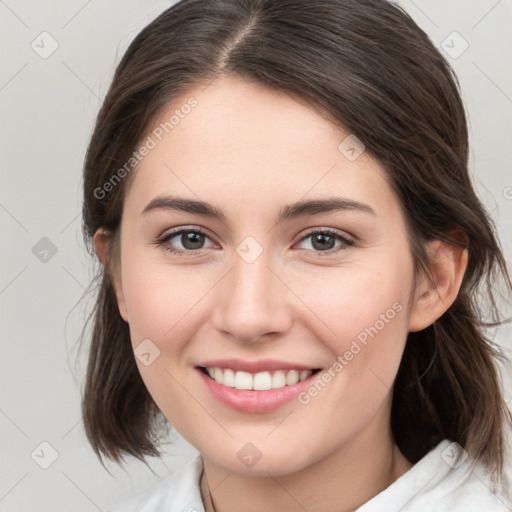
column 324, row 241
column 191, row 240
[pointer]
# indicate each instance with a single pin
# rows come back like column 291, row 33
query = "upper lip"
column 261, row 365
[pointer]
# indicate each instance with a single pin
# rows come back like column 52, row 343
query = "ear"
column 448, row 264
column 101, row 247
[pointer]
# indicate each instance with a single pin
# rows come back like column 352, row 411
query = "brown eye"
column 191, row 240
column 325, row 241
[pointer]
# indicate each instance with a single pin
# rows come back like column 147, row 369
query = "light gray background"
column 48, row 108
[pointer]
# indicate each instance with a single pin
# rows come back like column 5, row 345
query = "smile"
column 260, row 381
column 255, row 387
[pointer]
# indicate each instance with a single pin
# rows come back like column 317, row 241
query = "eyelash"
column 334, row 234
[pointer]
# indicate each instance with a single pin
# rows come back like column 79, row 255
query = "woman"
column 291, row 251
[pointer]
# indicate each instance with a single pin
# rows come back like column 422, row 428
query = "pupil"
column 323, row 238
column 190, row 240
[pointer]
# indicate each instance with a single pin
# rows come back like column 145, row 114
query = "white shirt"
column 439, row 482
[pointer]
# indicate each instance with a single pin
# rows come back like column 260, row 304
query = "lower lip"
column 251, row 401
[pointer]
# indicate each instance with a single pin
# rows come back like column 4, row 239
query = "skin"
column 249, row 151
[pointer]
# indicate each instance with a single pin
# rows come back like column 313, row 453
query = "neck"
column 348, row 477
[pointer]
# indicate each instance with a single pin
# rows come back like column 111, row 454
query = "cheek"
column 362, row 303
column 365, row 309
column 163, row 304
column 162, row 299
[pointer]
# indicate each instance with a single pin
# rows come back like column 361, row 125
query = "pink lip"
column 254, row 366
column 250, row 401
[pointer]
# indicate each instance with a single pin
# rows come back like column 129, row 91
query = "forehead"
column 253, row 147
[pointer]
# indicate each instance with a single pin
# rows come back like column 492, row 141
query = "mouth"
column 255, row 387
column 260, row 381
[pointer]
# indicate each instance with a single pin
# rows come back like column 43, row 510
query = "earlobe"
column 101, row 247
column 448, row 264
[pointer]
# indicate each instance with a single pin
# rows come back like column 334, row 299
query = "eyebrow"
column 294, row 210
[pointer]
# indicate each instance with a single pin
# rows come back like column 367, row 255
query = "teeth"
column 278, row 379
column 243, row 380
column 261, row 381
column 292, row 377
column 229, row 378
column 304, row 374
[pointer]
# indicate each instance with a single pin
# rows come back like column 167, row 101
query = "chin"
column 281, row 457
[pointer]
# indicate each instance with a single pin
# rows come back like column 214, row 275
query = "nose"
column 252, row 302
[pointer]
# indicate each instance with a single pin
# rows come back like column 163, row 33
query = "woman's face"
column 264, row 290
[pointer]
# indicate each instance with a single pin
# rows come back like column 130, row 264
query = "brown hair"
column 376, row 73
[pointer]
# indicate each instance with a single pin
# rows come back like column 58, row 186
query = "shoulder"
column 179, row 491
column 444, row 480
